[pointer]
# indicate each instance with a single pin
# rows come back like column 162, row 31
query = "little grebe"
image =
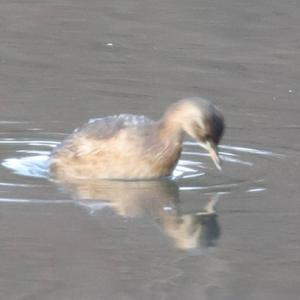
column 135, row 147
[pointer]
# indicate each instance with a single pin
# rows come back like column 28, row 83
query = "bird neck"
column 170, row 127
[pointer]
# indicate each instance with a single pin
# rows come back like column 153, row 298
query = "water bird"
column 134, row 147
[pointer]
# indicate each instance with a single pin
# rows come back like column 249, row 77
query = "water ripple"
column 25, row 180
column 35, row 154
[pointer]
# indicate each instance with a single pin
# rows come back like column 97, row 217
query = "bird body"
column 135, row 147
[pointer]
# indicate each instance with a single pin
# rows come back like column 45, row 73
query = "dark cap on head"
column 214, row 122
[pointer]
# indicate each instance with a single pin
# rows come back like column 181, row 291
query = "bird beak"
column 213, row 152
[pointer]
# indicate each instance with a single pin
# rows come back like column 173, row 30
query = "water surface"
column 203, row 234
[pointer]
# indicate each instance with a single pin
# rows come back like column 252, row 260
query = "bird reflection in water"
column 159, row 199
column 193, row 230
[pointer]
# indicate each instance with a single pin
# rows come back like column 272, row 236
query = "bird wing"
column 103, row 128
column 87, row 139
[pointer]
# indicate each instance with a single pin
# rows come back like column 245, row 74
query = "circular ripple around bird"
column 25, row 160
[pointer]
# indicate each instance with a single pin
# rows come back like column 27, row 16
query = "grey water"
column 202, row 234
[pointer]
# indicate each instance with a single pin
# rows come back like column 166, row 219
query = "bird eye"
column 207, row 137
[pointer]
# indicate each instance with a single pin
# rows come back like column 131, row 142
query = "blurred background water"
column 202, row 235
